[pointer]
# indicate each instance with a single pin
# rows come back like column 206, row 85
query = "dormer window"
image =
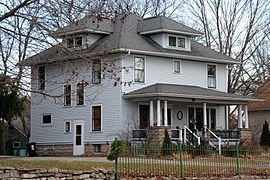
column 181, row 42
column 172, row 41
column 177, row 42
column 78, row 41
column 74, row 42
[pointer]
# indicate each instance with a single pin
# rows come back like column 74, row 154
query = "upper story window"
column 41, row 77
column 139, row 69
column 67, row 95
column 74, row 41
column 211, row 73
column 80, row 93
column 96, row 72
column 176, row 66
column 177, row 42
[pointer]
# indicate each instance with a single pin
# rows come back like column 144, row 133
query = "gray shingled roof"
column 162, row 23
column 86, row 24
column 186, row 92
column 125, row 36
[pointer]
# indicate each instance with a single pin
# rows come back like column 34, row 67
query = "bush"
column 265, row 136
column 116, row 149
column 168, row 147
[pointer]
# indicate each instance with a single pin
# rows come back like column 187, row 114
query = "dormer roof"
column 87, row 25
column 164, row 24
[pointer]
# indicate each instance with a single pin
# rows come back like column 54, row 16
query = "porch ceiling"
column 185, row 93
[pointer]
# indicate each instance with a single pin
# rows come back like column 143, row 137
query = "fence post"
column 116, row 160
column 181, row 159
column 237, row 159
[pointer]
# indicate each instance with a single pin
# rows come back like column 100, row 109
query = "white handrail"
column 185, row 135
column 219, row 141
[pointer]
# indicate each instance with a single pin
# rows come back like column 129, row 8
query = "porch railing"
column 218, row 139
column 192, row 134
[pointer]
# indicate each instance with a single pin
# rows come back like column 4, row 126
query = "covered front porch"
column 191, row 114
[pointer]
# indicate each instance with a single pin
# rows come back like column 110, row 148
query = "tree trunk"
column 2, row 137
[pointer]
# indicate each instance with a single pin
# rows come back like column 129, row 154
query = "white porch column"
column 151, row 113
column 165, row 113
column 246, row 117
column 158, row 112
column 227, row 117
column 204, row 116
column 240, row 121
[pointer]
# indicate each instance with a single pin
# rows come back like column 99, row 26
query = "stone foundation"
column 50, row 174
column 67, row 150
column 155, row 135
column 55, row 150
column 245, row 136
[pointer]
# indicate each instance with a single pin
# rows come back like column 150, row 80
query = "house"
column 259, row 112
column 128, row 74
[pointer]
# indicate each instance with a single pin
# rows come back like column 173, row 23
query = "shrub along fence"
column 177, row 160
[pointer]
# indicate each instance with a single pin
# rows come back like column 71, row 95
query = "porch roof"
column 188, row 92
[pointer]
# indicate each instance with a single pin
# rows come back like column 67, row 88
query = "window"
column 181, row 42
column 139, row 74
column 172, row 41
column 67, row 127
column 176, row 41
column 211, row 71
column 16, row 144
column 80, row 93
column 47, row 119
column 97, row 148
column 67, row 95
column 78, row 41
column 74, row 41
column 70, row 42
column 96, row 118
column 176, row 66
column 96, row 72
column 41, row 77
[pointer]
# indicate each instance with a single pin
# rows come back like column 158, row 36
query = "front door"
column 144, row 116
column 195, row 115
column 78, row 143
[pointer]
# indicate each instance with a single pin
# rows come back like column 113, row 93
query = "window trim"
column 74, row 44
column 208, row 76
column 45, row 73
column 101, row 118
column 176, row 47
column 46, row 124
column 180, row 68
column 69, row 126
column 83, row 83
column 19, row 146
column 65, row 95
column 144, row 57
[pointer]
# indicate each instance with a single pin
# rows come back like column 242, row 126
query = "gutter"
column 192, row 96
column 171, row 31
column 179, row 56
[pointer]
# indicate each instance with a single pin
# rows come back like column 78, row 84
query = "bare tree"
column 237, row 28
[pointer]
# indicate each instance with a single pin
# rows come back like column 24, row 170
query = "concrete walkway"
column 93, row 159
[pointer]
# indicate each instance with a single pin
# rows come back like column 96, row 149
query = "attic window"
column 177, row 41
column 74, row 42
column 172, row 41
column 78, row 41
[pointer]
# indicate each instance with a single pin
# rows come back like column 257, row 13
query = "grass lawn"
column 74, row 165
